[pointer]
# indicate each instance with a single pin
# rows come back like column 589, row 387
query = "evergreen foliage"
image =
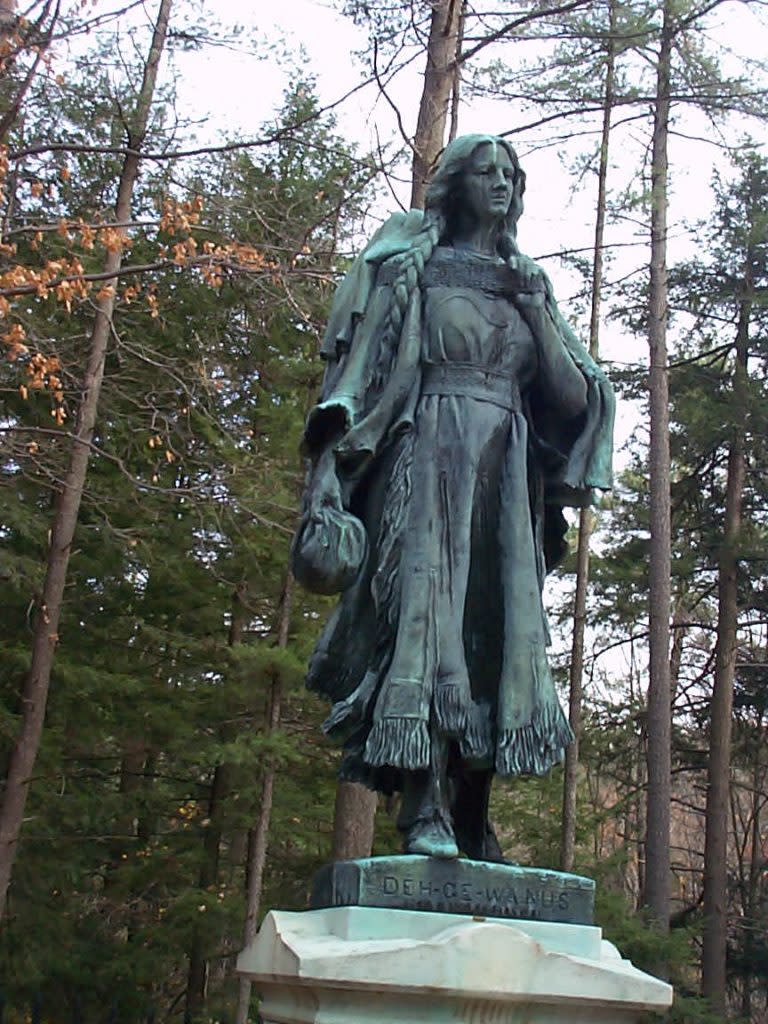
column 133, row 848
column 128, row 891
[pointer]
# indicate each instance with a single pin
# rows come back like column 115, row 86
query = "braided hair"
column 443, row 201
column 409, row 278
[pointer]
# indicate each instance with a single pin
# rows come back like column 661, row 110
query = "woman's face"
column 488, row 183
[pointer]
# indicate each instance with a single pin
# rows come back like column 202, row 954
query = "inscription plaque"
column 468, row 887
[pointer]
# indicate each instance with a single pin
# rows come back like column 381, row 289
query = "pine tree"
column 64, row 520
column 191, row 498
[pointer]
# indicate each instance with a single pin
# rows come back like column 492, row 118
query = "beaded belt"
column 471, row 381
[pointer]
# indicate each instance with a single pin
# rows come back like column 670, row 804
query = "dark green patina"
column 455, row 887
column 458, row 415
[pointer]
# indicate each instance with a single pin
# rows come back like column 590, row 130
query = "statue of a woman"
column 458, row 415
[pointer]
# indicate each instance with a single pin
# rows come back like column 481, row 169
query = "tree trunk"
column 753, row 895
column 49, row 605
column 453, row 130
column 221, row 786
column 714, row 939
column 657, row 853
column 576, row 673
column 353, row 821
column 7, row 15
column 576, row 680
column 355, row 805
column 132, row 764
column 679, row 618
column 197, row 975
column 436, row 95
column 258, row 837
column 34, row 38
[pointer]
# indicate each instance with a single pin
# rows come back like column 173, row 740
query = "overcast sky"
column 235, row 89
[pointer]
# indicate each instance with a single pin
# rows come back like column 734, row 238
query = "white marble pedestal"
column 366, row 965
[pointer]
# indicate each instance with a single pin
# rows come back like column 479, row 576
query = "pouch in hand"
column 329, row 550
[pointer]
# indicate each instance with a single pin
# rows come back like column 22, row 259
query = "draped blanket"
column 439, row 632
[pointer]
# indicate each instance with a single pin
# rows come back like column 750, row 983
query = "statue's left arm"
column 575, row 388
column 560, row 377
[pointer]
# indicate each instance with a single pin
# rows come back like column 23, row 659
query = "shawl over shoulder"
column 361, row 425
column 576, row 455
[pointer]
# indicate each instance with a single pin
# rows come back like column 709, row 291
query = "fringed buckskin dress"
column 469, row 656
column 441, row 642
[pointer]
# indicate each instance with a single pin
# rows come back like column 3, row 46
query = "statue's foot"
column 431, row 839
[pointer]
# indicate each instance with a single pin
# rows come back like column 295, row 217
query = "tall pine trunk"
column 258, row 837
column 752, row 897
column 49, row 605
column 657, row 851
column 7, row 14
column 355, row 809
column 714, row 939
column 453, row 129
column 353, row 821
column 221, row 787
column 576, row 672
column 439, row 81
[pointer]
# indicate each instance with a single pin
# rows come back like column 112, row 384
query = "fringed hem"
column 477, row 742
column 399, row 742
column 534, row 748
column 450, row 704
column 461, row 718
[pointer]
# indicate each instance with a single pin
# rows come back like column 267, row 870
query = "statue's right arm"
column 344, row 430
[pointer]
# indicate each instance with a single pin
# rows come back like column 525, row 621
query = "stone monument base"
column 369, row 965
column 473, row 887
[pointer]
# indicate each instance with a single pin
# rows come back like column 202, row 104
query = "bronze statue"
column 458, row 415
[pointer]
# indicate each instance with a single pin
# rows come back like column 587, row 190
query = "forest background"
column 163, row 290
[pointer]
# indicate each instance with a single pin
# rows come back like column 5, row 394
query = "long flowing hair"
column 443, row 201
column 444, row 196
